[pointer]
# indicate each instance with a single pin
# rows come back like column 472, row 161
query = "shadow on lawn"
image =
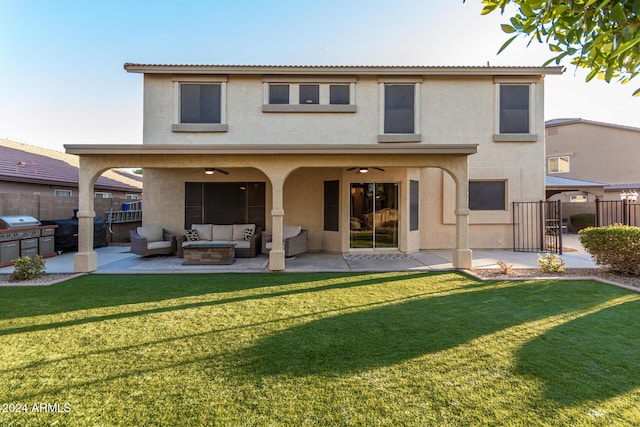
column 396, row 333
column 166, row 287
column 595, row 356
column 98, row 291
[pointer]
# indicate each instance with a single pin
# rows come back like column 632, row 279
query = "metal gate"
column 537, row 226
column 617, row 212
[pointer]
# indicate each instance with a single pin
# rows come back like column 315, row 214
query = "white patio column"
column 86, row 259
column 462, row 255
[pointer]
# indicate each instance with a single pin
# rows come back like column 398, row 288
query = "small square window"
column 487, row 195
column 309, row 94
column 200, row 103
column 278, row 94
column 339, row 94
column 559, row 164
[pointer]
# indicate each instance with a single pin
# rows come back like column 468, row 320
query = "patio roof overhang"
column 261, row 149
column 255, row 155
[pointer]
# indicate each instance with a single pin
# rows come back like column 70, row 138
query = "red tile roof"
column 26, row 163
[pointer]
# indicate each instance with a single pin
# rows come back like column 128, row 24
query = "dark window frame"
column 337, row 98
column 279, row 98
column 488, row 195
column 200, row 106
column 309, row 94
column 399, row 108
column 515, row 109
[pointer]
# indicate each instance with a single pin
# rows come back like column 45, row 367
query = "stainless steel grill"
column 8, row 222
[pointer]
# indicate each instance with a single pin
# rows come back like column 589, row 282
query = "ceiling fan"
column 365, row 169
column 211, row 171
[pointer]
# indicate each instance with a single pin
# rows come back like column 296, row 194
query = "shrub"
column 583, row 220
column 551, row 263
column 615, row 246
column 27, row 268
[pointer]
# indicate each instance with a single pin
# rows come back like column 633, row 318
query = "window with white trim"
column 200, row 104
column 101, row 195
column 132, row 196
column 559, row 164
column 399, row 111
column 309, row 95
column 62, row 193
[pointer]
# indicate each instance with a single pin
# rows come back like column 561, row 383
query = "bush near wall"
column 615, row 246
column 583, row 220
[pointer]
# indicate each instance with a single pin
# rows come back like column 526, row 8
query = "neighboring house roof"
column 336, row 70
column 30, row 164
column 556, row 182
column 572, row 121
column 624, row 186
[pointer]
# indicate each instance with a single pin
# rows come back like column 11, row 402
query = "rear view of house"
column 367, row 159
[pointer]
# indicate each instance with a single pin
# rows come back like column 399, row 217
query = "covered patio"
column 276, row 163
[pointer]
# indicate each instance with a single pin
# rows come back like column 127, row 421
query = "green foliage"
column 551, row 263
column 583, row 220
column 616, row 246
column 28, row 268
column 599, row 35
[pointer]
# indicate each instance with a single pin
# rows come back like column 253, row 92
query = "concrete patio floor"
column 118, row 260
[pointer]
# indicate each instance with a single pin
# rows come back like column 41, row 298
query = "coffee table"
column 209, row 254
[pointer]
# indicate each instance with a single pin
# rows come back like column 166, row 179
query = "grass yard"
column 389, row 349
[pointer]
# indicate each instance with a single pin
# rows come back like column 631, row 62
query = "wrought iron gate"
column 537, row 226
column 617, row 212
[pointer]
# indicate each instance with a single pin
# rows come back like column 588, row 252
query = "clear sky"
column 62, row 78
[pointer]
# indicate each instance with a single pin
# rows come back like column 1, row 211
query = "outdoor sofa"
column 246, row 238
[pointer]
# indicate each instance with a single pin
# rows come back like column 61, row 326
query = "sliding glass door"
column 374, row 215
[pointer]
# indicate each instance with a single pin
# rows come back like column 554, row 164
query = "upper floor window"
column 278, row 94
column 339, row 94
column 515, row 107
column 199, row 104
column 558, row 164
column 309, row 95
column 399, row 108
column 400, row 111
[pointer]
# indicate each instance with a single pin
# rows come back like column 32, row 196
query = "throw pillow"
column 248, row 233
column 191, row 235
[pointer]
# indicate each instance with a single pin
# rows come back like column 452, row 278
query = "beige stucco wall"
column 605, row 154
column 453, row 110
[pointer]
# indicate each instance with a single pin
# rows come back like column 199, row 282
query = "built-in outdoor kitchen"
column 24, row 235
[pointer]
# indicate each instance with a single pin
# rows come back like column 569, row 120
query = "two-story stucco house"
column 368, row 159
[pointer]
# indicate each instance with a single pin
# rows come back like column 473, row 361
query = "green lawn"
column 390, row 349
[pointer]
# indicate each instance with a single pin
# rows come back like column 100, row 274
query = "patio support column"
column 276, row 255
column 86, row 259
column 462, row 255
